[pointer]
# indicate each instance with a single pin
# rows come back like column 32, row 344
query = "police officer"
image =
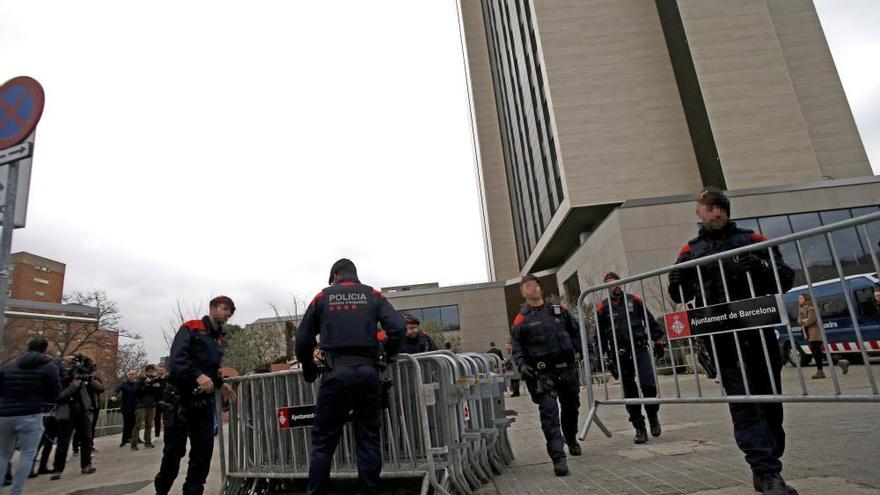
column 194, row 363
column 626, row 310
column 757, row 427
column 346, row 316
column 545, row 339
column 416, row 340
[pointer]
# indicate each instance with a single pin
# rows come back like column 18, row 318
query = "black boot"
column 641, row 435
column 656, row 431
column 574, row 448
column 560, row 467
column 756, row 483
column 772, row 484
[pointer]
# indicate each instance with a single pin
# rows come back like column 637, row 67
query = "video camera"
column 81, row 368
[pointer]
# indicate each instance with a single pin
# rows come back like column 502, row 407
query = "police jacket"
column 548, row 334
column 710, row 242
column 420, row 343
column 27, row 384
column 197, row 350
column 617, row 313
column 346, row 316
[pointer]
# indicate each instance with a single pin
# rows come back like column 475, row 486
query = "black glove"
column 675, row 277
column 310, row 372
column 659, row 350
column 528, row 372
column 751, row 262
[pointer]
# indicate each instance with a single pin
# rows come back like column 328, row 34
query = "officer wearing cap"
column 627, row 310
column 195, row 359
column 545, row 339
column 416, row 340
column 346, row 315
column 757, row 428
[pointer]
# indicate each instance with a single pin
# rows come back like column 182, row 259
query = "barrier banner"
column 738, row 315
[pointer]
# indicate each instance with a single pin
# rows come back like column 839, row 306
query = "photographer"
column 74, row 411
column 147, row 394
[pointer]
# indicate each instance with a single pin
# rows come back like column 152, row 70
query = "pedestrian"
column 628, row 311
column 125, row 394
column 27, row 385
column 448, row 347
column 416, row 340
column 48, row 440
column 509, row 366
column 813, row 335
column 494, row 350
column 196, row 354
column 157, row 419
column 74, row 412
column 95, row 399
column 877, row 297
column 146, row 397
column 346, row 316
column 757, row 427
column 545, row 341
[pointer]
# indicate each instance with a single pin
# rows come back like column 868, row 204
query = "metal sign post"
column 21, row 106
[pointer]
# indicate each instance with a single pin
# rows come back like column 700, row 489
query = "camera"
column 80, row 368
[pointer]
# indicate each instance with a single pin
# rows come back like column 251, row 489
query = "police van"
column 831, row 305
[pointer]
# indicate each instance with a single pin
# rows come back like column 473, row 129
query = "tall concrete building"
column 596, row 122
column 579, row 106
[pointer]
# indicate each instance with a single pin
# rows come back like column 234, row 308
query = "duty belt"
column 545, row 366
column 349, row 360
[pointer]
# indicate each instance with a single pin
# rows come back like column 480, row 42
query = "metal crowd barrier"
column 700, row 350
column 445, row 424
column 109, row 422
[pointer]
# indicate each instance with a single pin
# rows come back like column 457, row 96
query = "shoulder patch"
column 600, row 307
column 318, row 297
column 685, row 250
column 637, row 298
column 377, row 293
column 519, row 319
column 756, row 237
column 195, row 326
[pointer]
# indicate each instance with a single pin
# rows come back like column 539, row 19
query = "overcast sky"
column 194, row 148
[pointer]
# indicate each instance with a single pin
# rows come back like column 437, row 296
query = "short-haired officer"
column 346, row 315
column 629, row 310
column 195, row 359
column 545, row 339
column 757, row 428
column 416, row 340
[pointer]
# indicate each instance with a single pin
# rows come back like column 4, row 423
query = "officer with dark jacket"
column 629, row 311
column 196, row 354
column 346, row 316
column 546, row 340
column 757, row 427
column 26, row 386
column 416, row 340
column 126, row 393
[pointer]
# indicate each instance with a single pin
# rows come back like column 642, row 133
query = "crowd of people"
column 48, row 406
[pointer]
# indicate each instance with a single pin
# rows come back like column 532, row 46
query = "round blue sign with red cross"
column 21, row 106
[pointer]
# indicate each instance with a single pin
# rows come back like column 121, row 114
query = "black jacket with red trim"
column 548, row 333
column 197, row 350
column 347, row 315
column 640, row 318
column 710, row 242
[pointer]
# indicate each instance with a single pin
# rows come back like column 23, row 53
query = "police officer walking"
column 757, row 428
column 626, row 310
column 195, row 359
column 346, row 316
column 416, row 340
column 545, row 339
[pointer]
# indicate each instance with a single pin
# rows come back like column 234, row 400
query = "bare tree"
column 73, row 337
column 131, row 356
column 181, row 313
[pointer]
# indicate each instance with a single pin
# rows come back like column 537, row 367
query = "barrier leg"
column 592, row 417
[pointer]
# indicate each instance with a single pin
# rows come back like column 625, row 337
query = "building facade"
column 596, row 122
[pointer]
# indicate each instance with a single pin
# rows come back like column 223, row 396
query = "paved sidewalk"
column 832, row 449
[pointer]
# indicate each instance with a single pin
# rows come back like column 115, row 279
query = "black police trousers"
column 345, row 389
column 646, row 379
column 197, row 424
column 553, row 391
column 757, row 428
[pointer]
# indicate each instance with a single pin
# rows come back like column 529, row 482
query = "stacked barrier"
column 445, row 423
